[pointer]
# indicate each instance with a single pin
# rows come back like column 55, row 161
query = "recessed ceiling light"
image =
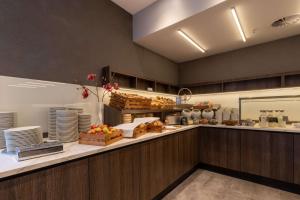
column 190, row 40
column 238, row 24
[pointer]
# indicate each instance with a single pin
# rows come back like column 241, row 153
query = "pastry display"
column 203, row 105
column 140, row 130
column 100, row 135
column 203, row 121
column 155, row 127
column 162, row 103
column 129, row 101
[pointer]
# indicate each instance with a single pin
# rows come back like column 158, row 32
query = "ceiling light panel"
column 191, row 41
column 238, row 24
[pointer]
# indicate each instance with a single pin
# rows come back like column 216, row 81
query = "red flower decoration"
column 91, row 77
column 85, row 93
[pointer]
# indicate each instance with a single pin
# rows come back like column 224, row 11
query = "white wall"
column 31, row 104
column 164, row 13
column 231, row 99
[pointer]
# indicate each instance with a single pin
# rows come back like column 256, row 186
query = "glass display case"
column 250, row 108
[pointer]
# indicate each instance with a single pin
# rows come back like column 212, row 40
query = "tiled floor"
column 205, row 185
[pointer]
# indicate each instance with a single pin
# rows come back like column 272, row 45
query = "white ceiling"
column 215, row 30
column 133, row 6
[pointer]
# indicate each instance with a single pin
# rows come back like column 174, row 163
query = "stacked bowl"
column 84, row 122
column 22, row 136
column 7, row 120
column 52, row 122
column 67, row 125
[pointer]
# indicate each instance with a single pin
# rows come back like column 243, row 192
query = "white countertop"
column 288, row 129
column 9, row 166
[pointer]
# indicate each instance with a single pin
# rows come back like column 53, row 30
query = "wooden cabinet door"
column 104, row 176
column 282, row 157
column 233, row 149
column 115, row 175
column 188, row 146
column 67, row 181
column 170, row 159
column 256, row 152
column 297, row 159
column 151, row 169
column 213, row 146
column 268, row 154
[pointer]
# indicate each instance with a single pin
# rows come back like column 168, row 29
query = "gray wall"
column 269, row 58
column 64, row 40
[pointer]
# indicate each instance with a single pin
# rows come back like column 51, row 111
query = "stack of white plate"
column 67, row 125
column 22, row 136
column 79, row 110
column 52, row 122
column 84, row 122
column 7, row 120
column 2, row 138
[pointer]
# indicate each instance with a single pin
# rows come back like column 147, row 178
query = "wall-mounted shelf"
column 247, row 84
column 113, row 116
column 272, row 81
column 137, row 83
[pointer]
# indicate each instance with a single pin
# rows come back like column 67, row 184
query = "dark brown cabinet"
column 140, row 172
column 255, row 153
column 213, row 146
column 144, row 170
column 282, row 157
column 268, row 154
column 297, row 159
column 233, row 149
column 68, row 181
column 165, row 160
column 114, row 174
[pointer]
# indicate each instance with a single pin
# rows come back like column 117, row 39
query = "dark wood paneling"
column 170, row 159
column 165, row 160
column 282, row 157
column 68, row 181
column 173, row 89
column 256, row 153
column 204, row 89
column 143, row 84
column 124, row 80
column 234, row 149
column 114, row 174
column 130, row 172
column 104, row 176
column 268, row 154
column 161, row 87
column 255, row 84
column 297, row 159
column 213, row 147
column 156, row 182
column 145, row 172
column 292, row 80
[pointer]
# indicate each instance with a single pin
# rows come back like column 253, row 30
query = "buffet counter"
column 9, row 166
column 148, row 165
